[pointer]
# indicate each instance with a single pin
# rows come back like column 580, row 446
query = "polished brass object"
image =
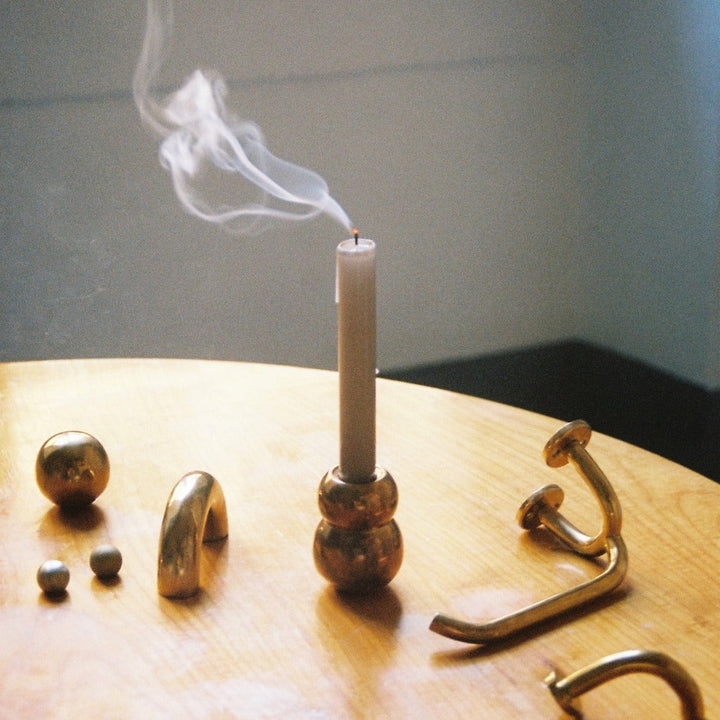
column 507, row 625
column 566, row 690
column 72, row 469
column 542, row 507
column 567, row 445
column 358, row 546
column 105, row 561
column 53, row 577
column 195, row 513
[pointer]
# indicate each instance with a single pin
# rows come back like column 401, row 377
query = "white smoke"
column 200, row 139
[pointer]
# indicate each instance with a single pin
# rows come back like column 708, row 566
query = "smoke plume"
column 220, row 166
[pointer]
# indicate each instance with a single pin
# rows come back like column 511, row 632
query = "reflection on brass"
column 566, row 690
column 541, row 508
column 195, row 513
column 568, row 445
column 358, row 506
column 358, row 547
column 72, row 469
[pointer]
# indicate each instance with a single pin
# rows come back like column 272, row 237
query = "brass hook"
column 543, row 610
column 540, row 507
column 195, row 513
column 566, row 690
column 568, row 445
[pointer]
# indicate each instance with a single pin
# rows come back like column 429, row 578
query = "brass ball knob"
column 72, row 469
column 106, row 561
column 53, row 577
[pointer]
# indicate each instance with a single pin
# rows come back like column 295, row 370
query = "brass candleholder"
column 358, row 546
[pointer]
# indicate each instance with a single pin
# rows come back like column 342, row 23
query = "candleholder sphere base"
column 358, row 547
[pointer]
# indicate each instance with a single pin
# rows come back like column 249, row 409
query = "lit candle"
column 356, row 357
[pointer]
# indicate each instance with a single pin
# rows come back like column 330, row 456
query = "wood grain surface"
column 266, row 637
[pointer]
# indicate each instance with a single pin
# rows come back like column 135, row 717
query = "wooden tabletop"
column 266, row 637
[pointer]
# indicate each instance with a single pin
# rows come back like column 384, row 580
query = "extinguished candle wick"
column 355, row 283
column 356, row 235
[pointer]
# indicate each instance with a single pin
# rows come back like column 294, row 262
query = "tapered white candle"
column 356, row 357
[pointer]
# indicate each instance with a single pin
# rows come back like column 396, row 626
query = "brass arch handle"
column 541, row 508
column 567, row 445
column 195, row 513
column 566, row 690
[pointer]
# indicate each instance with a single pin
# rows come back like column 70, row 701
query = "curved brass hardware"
column 568, row 445
column 72, row 469
column 358, row 546
column 566, row 690
column 553, row 606
column 195, row 513
column 542, row 508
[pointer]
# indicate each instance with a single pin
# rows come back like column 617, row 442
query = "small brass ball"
column 72, row 469
column 105, row 561
column 53, row 577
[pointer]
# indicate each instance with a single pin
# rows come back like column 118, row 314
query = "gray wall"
column 651, row 264
column 531, row 171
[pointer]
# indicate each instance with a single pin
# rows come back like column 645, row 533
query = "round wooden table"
column 266, row 637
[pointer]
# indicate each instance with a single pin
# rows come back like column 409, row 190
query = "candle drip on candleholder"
column 358, row 546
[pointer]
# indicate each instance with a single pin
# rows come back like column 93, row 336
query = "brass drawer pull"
column 195, row 513
column 566, row 690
